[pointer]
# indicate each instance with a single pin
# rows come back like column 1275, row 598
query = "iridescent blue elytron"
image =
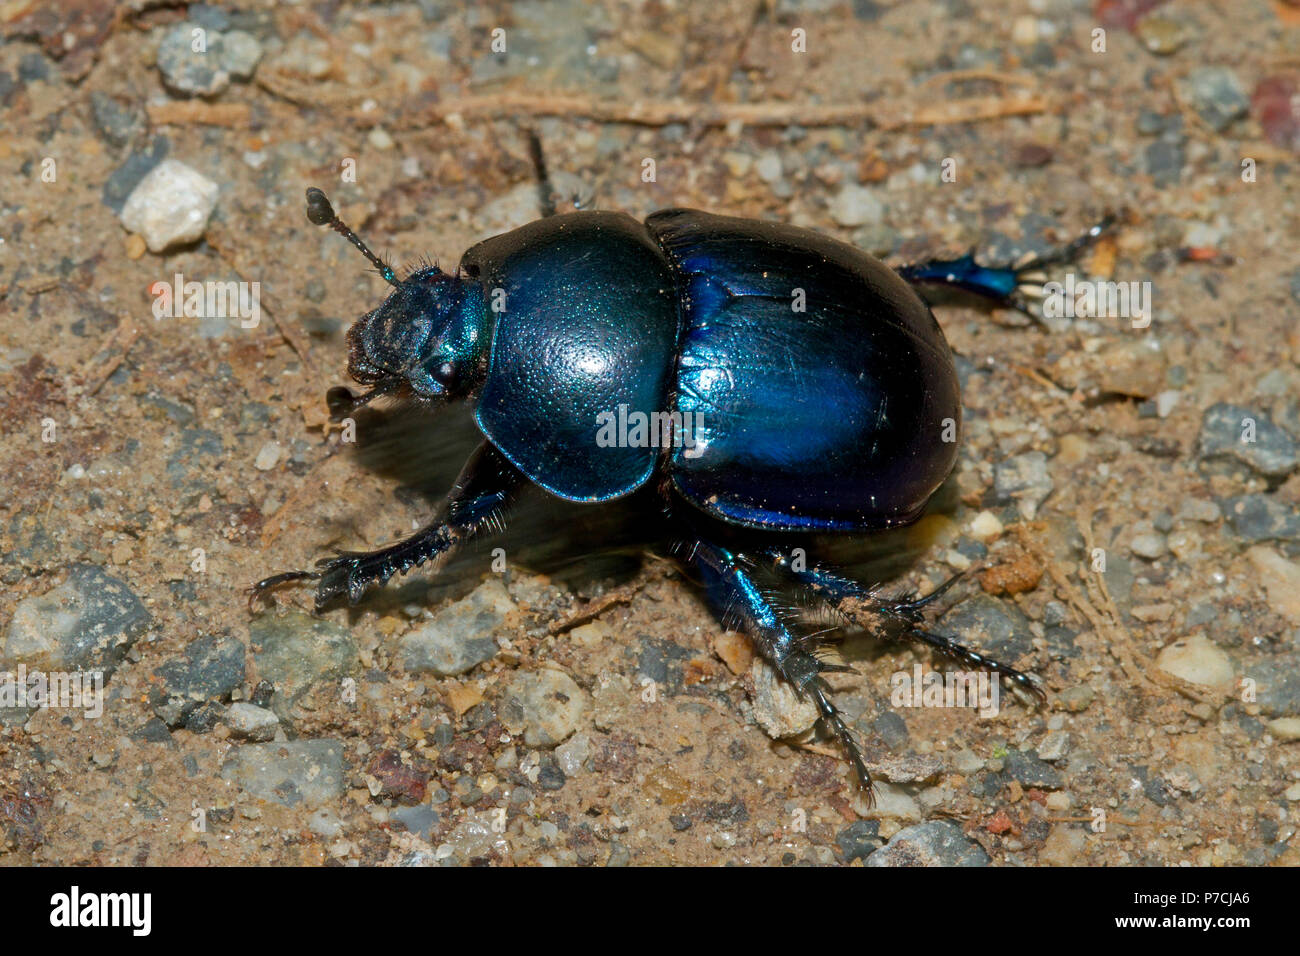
column 819, row 390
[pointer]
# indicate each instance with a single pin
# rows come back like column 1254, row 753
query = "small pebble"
column 545, row 705
column 1150, row 546
column 1162, row 35
column 1198, row 660
column 1023, row 479
column 936, row 843
column 856, row 205
column 251, row 723
column 1216, row 94
column 170, row 206
column 1285, row 728
column 768, row 166
column 267, row 456
column 1251, row 437
column 1281, row 581
column 985, row 526
column 292, row 773
column 460, row 637
column 778, row 708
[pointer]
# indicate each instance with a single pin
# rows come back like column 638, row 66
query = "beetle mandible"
column 824, row 418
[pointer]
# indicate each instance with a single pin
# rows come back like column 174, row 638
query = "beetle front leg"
column 486, row 487
column 742, row 604
column 1010, row 286
column 894, row 619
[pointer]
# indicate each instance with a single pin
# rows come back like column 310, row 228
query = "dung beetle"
column 752, row 374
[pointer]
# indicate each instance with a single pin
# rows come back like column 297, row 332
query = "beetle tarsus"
column 264, row 587
column 487, row 485
column 730, row 584
column 895, row 619
column 1016, row 286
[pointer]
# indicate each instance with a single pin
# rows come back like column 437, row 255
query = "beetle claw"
column 263, row 587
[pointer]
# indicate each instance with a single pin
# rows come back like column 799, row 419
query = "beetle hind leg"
column 731, row 586
column 864, row 607
column 1018, row 286
column 487, row 485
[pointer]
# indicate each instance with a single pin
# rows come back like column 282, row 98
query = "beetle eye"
column 444, row 373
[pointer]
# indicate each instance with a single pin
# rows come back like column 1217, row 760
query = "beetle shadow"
column 583, row 548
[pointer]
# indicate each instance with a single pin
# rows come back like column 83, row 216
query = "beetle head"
column 424, row 341
column 425, row 336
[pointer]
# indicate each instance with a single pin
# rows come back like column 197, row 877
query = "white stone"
column 985, row 526
column 778, row 707
column 1198, row 660
column 267, row 456
column 856, row 205
column 1281, row 580
column 251, row 722
column 170, row 206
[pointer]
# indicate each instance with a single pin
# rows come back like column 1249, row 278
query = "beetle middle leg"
column 731, row 586
column 898, row 619
column 1011, row 286
column 476, row 504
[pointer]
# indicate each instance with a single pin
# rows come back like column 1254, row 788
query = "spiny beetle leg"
column 1010, row 286
column 487, row 485
column 741, row 603
column 894, row 619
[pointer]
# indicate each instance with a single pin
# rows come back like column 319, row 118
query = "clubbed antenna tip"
column 321, row 213
column 319, row 210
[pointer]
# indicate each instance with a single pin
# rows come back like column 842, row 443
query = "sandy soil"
column 184, row 458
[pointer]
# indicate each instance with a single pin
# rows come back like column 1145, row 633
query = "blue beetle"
column 754, row 375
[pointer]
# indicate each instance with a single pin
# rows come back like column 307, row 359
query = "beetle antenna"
column 321, row 213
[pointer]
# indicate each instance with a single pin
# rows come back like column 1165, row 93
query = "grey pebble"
column 249, row 722
column 211, row 667
column 208, row 71
column 1164, row 160
column 459, row 637
column 619, row 854
column 1054, row 746
column 186, row 70
column 858, row 840
column 1261, row 518
column 33, row 67
column 1216, row 94
column 936, row 843
column 306, row 772
column 117, row 124
column 1029, row 770
column 1273, row 452
column 1023, row 479
column 546, row 706
column 419, row 819
column 892, row 728
column 296, row 651
column 86, row 623
column 998, row 629
column 1278, row 684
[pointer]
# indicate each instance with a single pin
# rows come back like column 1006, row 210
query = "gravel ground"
column 1124, row 506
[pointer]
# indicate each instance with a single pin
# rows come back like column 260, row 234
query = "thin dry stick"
column 294, row 336
column 192, row 112
column 663, row 112
column 1152, row 673
column 114, row 350
column 1119, row 641
column 961, row 76
column 596, row 607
